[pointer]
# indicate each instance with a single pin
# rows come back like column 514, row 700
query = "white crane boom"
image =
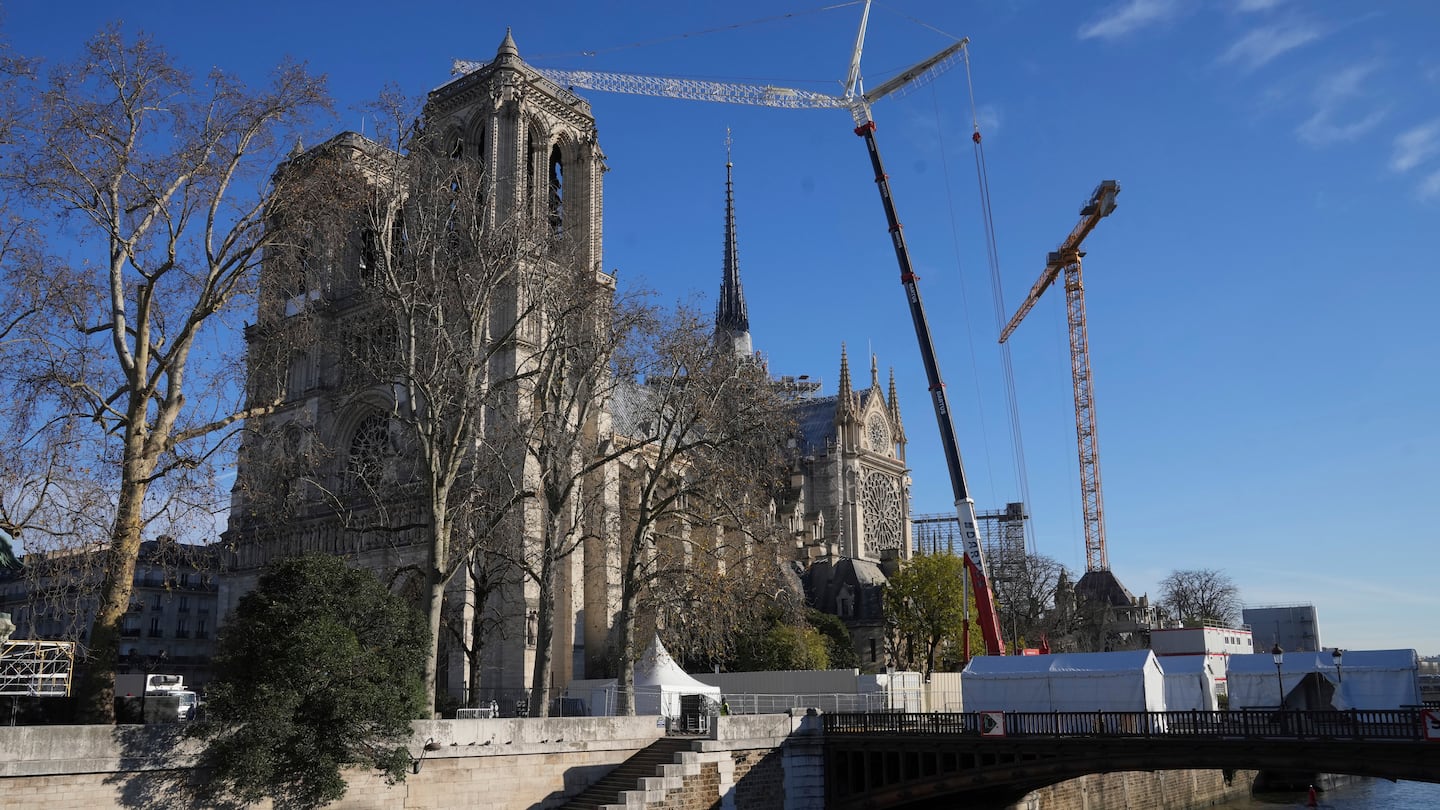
column 758, row 95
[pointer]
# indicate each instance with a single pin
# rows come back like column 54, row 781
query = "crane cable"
column 964, row 295
column 998, row 295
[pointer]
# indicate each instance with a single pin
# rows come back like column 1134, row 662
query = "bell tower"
column 537, row 142
column 542, row 171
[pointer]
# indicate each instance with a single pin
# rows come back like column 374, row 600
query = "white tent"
column 1129, row 681
column 659, row 685
column 1367, row 679
column 1189, row 683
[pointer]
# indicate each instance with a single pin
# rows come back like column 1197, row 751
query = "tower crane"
column 1067, row 257
column 858, row 103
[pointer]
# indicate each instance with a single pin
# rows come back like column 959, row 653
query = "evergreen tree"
column 319, row 668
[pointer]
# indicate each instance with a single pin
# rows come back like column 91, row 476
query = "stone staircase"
column 645, row 764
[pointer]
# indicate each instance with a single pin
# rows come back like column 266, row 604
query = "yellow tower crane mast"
column 1067, row 257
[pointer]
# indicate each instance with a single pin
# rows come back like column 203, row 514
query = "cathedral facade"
column 533, row 144
column 846, row 507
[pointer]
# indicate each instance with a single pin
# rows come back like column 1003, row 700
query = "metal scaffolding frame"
column 36, row 668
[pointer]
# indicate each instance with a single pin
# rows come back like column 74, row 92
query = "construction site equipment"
column 31, row 668
column 858, row 103
column 1067, row 257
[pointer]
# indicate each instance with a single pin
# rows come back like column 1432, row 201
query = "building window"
column 184, row 605
column 873, row 657
column 130, row 626
column 182, row 627
column 367, row 453
column 201, row 629
column 557, row 191
column 155, row 601
column 155, row 631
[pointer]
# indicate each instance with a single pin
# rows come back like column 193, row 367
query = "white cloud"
column 1343, row 84
column 1321, row 129
column 1429, row 187
column 1264, row 44
column 1332, row 122
column 1128, row 17
column 1415, row 146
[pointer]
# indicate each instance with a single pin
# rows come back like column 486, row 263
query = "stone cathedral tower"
column 542, row 166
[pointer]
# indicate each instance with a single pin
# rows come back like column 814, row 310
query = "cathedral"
column 846, row 506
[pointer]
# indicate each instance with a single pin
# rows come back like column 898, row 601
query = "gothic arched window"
column 557, row 190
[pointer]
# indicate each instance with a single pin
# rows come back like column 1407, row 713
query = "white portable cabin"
column 1189, row 683
column 1127, row 681
column 1366, row 679
column 659, row 685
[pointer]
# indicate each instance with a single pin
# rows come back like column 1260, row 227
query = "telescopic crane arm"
column 1067, row 258
column 858, row 103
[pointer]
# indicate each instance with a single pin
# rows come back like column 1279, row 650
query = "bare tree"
column 1200, row 595
column 1026, row 600
column 165, row 179
column 576, row 343
column 712, row 428
column 442, row 282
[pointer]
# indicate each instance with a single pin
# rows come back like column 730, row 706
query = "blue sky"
column 1263, row 346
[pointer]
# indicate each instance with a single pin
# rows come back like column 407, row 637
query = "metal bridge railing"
column 1399, row 724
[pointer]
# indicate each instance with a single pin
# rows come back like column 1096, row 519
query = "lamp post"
column 1337, row 654
column 1279, row 655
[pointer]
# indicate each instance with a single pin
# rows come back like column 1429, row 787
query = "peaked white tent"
column 659, row 685
column 1367, row 679
column 1189, row 683
column 1127, row 681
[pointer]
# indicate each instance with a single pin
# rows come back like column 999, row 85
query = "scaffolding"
column 1002, row 533
column 36, row 668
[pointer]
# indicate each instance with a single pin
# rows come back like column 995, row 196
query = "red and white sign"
column 1430, row 719
column 992, row 724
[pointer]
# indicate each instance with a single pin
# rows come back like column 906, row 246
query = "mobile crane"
column 858, row 103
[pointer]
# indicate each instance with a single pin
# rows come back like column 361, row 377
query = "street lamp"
column 1279, row 655
column 1337, row 654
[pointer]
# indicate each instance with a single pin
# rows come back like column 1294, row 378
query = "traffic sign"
column 992, row 724
column 1430, row 719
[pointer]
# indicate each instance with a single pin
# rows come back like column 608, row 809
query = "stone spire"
column 507, row 46
column 894, row 400
column 732, row 321
column 846, row 403
column 874, row 371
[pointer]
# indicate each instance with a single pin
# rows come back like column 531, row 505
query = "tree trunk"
column 95, row 701
column 625, row 644
column 435, row 578
column 544, row 627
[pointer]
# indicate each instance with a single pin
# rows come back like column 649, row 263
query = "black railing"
column 1399, row 724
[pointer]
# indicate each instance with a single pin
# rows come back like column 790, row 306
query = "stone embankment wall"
column 1134, row 790
column 755, row 762
column 474, row 763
